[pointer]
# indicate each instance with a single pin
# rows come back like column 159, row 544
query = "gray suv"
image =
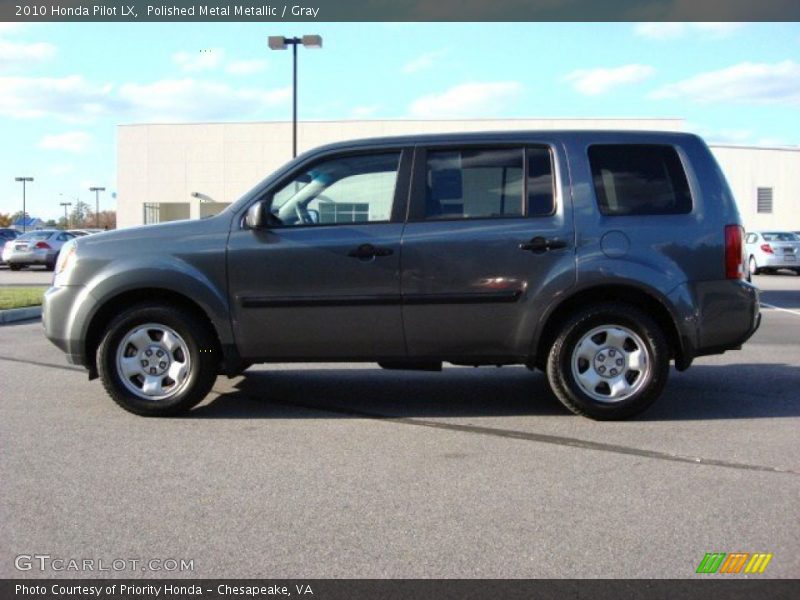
column 597, row 257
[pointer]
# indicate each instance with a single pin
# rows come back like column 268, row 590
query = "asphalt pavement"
column 351, row 471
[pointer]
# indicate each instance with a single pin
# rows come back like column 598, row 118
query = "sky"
column 64, row 87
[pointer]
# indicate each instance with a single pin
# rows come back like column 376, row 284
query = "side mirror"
column 255, row 216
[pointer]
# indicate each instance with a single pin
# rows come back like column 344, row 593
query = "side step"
column 411, row 365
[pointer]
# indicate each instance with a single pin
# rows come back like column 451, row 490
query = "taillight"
column 42, row 246
column 734, row 255
column 767, row 248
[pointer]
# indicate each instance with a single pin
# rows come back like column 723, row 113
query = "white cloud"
column 759, row 83
column 14, row 55
column 592, row 82
column 467, row 100
column 74, row 99
column 72, row 141
column 246, row 67
column 190, row 100
column 203, row 60
column 69, row 98
column 422, row 62
column 673, row 30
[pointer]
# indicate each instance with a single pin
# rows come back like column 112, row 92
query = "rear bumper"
column 726, row 314
column 777, row 262
column 34, row 257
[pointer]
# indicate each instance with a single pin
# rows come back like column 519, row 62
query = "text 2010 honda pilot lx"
column 598, row 257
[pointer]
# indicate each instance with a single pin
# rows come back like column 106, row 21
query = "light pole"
column 66, row 218
column 97, row 191
column 24, row 180
column 278, row 42
column 77, row 200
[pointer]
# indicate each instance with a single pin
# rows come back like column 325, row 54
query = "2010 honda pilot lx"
column 597, row 257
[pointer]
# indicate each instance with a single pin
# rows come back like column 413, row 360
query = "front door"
column 488, row 244
column 323, row 281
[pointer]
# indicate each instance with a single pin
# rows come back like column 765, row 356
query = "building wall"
column 750, row 168
column 205, row 166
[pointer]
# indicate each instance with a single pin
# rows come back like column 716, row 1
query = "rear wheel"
column 51, row 264
column 14, row 267
column 754, row 270
column 609, row 361
column 157, row 360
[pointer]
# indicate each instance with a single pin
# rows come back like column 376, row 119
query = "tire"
column 599, row 339
column 51, row 265
column 754, row 270
column 189, row 354
column 14, row 267
column 797, row 271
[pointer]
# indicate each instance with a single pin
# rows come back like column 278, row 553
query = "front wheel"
column 157, row 360
column 14, row 267
column 608, row 362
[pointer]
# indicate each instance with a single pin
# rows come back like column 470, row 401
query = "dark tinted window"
column 541, row 200
column 638, row 179
column 483, row 183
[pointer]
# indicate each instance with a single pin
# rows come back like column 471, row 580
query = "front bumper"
column 60, row 316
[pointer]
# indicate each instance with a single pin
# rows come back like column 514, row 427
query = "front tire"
column 608, row 362
column 14, row 267
column 157, row 360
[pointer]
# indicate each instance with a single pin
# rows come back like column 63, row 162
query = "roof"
column 521, row 136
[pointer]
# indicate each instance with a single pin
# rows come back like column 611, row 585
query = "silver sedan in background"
column 768, row 251
column 35, row 248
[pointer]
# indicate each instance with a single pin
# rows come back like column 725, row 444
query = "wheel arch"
column 113, row 305
column 626, row 293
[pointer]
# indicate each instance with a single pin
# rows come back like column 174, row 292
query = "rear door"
column 323, row 282
column 489, row 244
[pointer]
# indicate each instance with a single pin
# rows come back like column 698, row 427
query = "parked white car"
column 768, row 251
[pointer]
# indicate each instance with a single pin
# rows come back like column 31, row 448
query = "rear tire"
column 14, row 267
column 157, row 361
column 608, row 362
column 51, row 265
column 754, row 270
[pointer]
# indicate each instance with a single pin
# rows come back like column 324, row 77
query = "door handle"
column 368, row 251
column 540, row 244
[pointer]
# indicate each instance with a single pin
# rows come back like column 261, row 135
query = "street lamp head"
column 312, row 41
column 276, row 42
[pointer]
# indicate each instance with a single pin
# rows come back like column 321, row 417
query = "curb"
column 12, row 315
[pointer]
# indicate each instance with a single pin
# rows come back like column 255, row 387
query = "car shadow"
column 705, row 392
column 789, row 299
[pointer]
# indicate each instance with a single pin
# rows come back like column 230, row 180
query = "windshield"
column 777, row 236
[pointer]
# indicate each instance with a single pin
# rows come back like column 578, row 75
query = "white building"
column 182, row 171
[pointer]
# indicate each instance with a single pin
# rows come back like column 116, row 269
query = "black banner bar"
column 399, row 10
column 704, row 587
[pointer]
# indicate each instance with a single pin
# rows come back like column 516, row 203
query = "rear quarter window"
column 639, row 179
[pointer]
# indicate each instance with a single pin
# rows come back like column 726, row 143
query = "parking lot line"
column 788, row 310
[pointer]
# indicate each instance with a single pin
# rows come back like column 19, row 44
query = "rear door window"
column 639, row 179
column 481, row 183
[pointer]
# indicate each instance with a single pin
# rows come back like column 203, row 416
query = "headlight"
column 66, row 258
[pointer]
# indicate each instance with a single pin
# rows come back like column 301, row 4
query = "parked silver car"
column 7, row 235
column 35, row 248
column 768, row 251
